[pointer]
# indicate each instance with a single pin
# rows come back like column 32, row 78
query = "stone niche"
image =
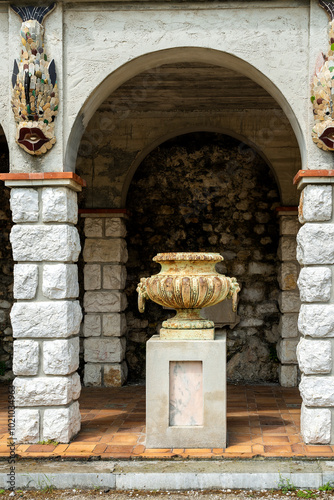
column 211, row 193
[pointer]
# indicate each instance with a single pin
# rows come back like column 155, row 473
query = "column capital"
column 43, row 179
column 304, row 177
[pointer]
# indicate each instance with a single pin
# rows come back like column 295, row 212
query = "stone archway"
column 6, row 269
column 152, row 61
column 141, row 114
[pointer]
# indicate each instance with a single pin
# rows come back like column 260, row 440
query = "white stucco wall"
column 98, row 46
column 272, row 37
column 4, row 90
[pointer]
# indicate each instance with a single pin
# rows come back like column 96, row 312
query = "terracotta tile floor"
column 261, row 420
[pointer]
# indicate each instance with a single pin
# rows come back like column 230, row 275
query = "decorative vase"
column 187, row 282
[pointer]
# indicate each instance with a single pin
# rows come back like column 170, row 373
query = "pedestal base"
column 184, row 334
column 186, row 393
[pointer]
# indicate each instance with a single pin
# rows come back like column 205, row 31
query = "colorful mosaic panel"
column 35, row 98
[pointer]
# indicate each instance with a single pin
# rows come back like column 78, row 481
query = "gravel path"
column 167, row 495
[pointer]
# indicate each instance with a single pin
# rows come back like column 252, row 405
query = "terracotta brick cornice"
column 104, row 212
column 302, row 174
column 286, row 209
column 43, row 176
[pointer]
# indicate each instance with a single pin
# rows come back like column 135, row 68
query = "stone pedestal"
column 186, row 393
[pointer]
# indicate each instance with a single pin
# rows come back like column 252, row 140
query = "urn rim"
column 188, row 256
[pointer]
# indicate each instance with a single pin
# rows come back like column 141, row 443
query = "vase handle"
column 142, row 295
column 233, row 293
column 141, row 303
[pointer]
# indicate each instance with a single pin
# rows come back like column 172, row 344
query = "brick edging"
column 312, row 173
column 33, row 176
column 103, row 211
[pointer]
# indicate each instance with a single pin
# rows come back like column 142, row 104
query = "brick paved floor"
column 261, row 420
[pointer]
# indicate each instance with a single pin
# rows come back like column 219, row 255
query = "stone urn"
column 187, row 282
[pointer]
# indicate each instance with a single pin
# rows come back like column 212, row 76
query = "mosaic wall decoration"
column 35, row 98
column 323, row 91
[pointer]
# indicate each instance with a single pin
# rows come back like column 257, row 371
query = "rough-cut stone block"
column 317, row 391
column 113, row 325
column 46, row 319
column 92, row 325
column 266, row 307
column 61, row 424
column 92, row 277
column 315, row 425
column 24, row 204
column 253, row 293
column 287, row 375
column 59, row 205
column 287, row 248
column 114, row 277
column 58, row 243
column 26, row 426
column 135, row 323
column 76, row 386
column 289, row 225
column 115, row 227
column 315, row 203
column 105, row 302
column 250, row 322
column 111, row 250
column 289, row 302
column 288, row 325
column 25, row 357
column 60, row 357
column 315, row 244
column 314, row 356
column 115, row 375
column 46, row 391
column 286, row 350
column 111, row 350
column 92, row 375
column 316, row 320
column 25, row 281
column 314, row 284
column 260, row 268
column 60, row 281
column 93, row 227
column 287, row 276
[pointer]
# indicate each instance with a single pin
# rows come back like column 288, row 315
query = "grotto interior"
column 190, row 157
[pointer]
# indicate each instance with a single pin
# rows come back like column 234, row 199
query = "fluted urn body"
column 187, row 282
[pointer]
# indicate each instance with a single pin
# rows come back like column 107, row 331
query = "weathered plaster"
column 185, row 33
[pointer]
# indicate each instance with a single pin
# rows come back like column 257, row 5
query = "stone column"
column 105, row 254
column 46, row 317
column 289, row 301
column 315, row 253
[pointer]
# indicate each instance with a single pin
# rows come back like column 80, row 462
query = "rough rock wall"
column 208, row 192
column 6, row 269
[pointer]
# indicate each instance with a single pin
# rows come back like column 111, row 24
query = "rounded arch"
column 4, row 151
column 176, row 55
column 3, row 130
column 189, row 130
